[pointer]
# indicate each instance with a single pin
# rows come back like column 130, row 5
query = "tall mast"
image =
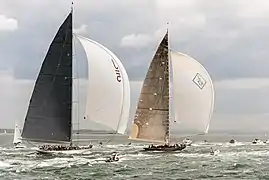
column 169, row 84
column 71, row 129
column 72, row 6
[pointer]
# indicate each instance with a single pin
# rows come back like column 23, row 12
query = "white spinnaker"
column 123, row 123
column 17, row 135
column 108, row 96
column 193, row 93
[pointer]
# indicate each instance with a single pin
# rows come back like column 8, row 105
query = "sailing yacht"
column 173, row 79
column 49, row 115
column 4, row 133
column 187, row 141
column 17, row 138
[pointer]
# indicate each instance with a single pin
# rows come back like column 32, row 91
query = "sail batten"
column 151, row 122
column 50, row 109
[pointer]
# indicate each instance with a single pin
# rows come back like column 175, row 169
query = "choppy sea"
column 242, row 160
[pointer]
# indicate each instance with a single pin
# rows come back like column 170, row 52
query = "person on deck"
column 211, row 151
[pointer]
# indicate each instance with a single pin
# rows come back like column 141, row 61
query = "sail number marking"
column 199, row 81
column 117, row 70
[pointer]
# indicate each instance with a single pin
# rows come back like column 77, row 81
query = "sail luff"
column 170, row 115
column 49, row 115
column 151, row 121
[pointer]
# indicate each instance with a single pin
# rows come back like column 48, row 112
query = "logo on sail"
column 117, row 70
column 199, row 81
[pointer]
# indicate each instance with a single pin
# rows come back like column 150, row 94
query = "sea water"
column 241, row 160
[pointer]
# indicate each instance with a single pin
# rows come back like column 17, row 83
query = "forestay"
column 108, row 96
column 193, row 93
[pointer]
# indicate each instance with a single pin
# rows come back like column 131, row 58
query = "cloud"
column 8, row 24
column 174, row 4
column 243, row 83
column 227, row 37
column 81, row 30
column 15, row 95
column 136, row 41
column 260, row 9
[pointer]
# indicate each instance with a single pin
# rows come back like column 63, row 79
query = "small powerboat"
column 187, row 142
column 232, row 141
column 257, row 141
column 113, row 158
column 214, row 152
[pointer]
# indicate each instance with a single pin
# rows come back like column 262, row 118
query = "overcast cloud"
column 230, row 38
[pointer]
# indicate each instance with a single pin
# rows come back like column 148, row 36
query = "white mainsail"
column 108, row 96
column 17, row 135
column 193, row 93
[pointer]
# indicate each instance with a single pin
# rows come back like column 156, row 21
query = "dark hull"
column 109, row 160
column 167, row 149
column 64, row 151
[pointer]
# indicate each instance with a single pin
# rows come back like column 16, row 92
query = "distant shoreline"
column 82, row 131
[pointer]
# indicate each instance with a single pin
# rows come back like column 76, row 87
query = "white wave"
column 227, row 144
column 192, row 155
column 4, row 164
column 198, row 144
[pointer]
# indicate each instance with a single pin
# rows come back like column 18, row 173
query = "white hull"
column 65, row 152
column 258, row 142
column 187, row 142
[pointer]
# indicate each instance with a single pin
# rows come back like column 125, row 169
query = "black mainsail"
column 49, row 115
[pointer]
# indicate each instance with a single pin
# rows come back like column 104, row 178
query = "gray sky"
column 230, row 38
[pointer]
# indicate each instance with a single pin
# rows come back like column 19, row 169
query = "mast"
column 169, row 86
column 71, row 129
